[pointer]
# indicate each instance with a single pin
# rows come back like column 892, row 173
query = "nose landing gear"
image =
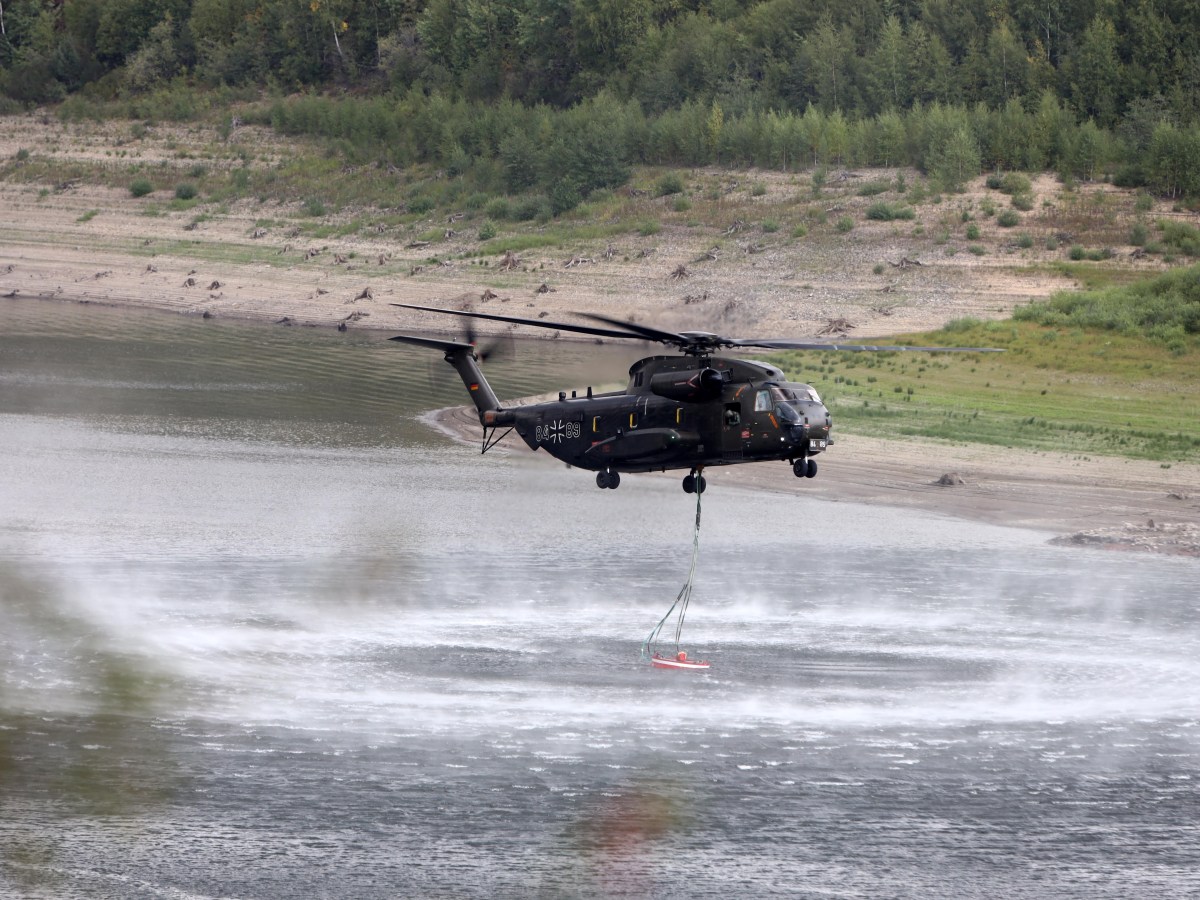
column 805, row 468
column 694, row 483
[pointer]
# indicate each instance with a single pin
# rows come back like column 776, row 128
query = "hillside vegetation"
column 1109, row 371
column 551, row 101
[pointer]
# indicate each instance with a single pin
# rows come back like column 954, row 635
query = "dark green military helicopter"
column 678, row 412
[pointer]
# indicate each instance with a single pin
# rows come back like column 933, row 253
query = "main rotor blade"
column 650, row 334
column 538, row 323
column 785, row 344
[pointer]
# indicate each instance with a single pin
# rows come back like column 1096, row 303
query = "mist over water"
column 263, row 633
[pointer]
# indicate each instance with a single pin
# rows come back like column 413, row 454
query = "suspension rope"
column 650, row 645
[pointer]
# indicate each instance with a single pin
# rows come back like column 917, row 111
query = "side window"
column 733, row 413
column 762, row 401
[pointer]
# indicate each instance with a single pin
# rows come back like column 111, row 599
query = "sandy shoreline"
column 90, row 243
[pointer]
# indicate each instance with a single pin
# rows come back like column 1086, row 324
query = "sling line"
column 650, row 645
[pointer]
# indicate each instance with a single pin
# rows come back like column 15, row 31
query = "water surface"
column 264, row 633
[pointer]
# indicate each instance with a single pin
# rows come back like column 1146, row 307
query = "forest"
column 561, row 97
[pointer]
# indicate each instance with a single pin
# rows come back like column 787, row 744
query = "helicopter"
column 687, row 411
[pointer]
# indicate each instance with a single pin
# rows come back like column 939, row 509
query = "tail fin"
column 462, row 357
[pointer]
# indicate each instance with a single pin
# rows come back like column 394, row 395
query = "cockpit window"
column 794, row 392
column 786, row 413
column 762, row 401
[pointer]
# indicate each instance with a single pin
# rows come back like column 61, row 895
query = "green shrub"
column 845, row 224
column 1022, row 201
column 1025, row 241
column 420, row 204
column 498, row 208
column 529, row 208
column 1163, row 308
column 487, row 231
column 671, row 183
column 976, row 249
column 1182, row 237
column 314, row 207
column 141, row 187
column 887, row 212
column 1076, row 253
column 1008, row 218
column 758, row 189
column 972, row 232
column 681, row 204
column 1015, row 183
column 770, row 226
column 1139, row 234
column 965, row 323
column 871, row 188
column 185, row 191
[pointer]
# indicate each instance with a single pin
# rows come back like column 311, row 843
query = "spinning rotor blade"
column 650, row 334
column 785, row 344
column 696, row 343
column 539, row 323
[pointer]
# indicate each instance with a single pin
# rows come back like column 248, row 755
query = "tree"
column 887, row 139
column 1007, row 71
column 829, row 51
column 157, row 59
column 949, row 150
column 1096, row 72
column 888, row 68
column 932, row 76
column 607, row 31
column 1174, row 160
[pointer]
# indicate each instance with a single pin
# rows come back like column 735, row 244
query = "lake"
column 265, row 632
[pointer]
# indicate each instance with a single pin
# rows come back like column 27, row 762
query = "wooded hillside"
column 565, row 94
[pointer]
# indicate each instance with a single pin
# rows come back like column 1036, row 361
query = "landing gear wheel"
column 805, row 468
column 694, row 484
column 611, row 480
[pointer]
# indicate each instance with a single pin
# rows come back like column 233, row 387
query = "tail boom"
column 462, row 358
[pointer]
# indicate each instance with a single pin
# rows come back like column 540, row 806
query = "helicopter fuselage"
column 677, row 413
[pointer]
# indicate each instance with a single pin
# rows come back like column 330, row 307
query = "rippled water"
column 265, row 634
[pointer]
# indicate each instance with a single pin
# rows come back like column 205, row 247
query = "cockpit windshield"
column 785, row 393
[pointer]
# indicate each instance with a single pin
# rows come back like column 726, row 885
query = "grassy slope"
column 1074, row 391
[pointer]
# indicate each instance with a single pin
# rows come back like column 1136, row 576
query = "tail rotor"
column 495, row 348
